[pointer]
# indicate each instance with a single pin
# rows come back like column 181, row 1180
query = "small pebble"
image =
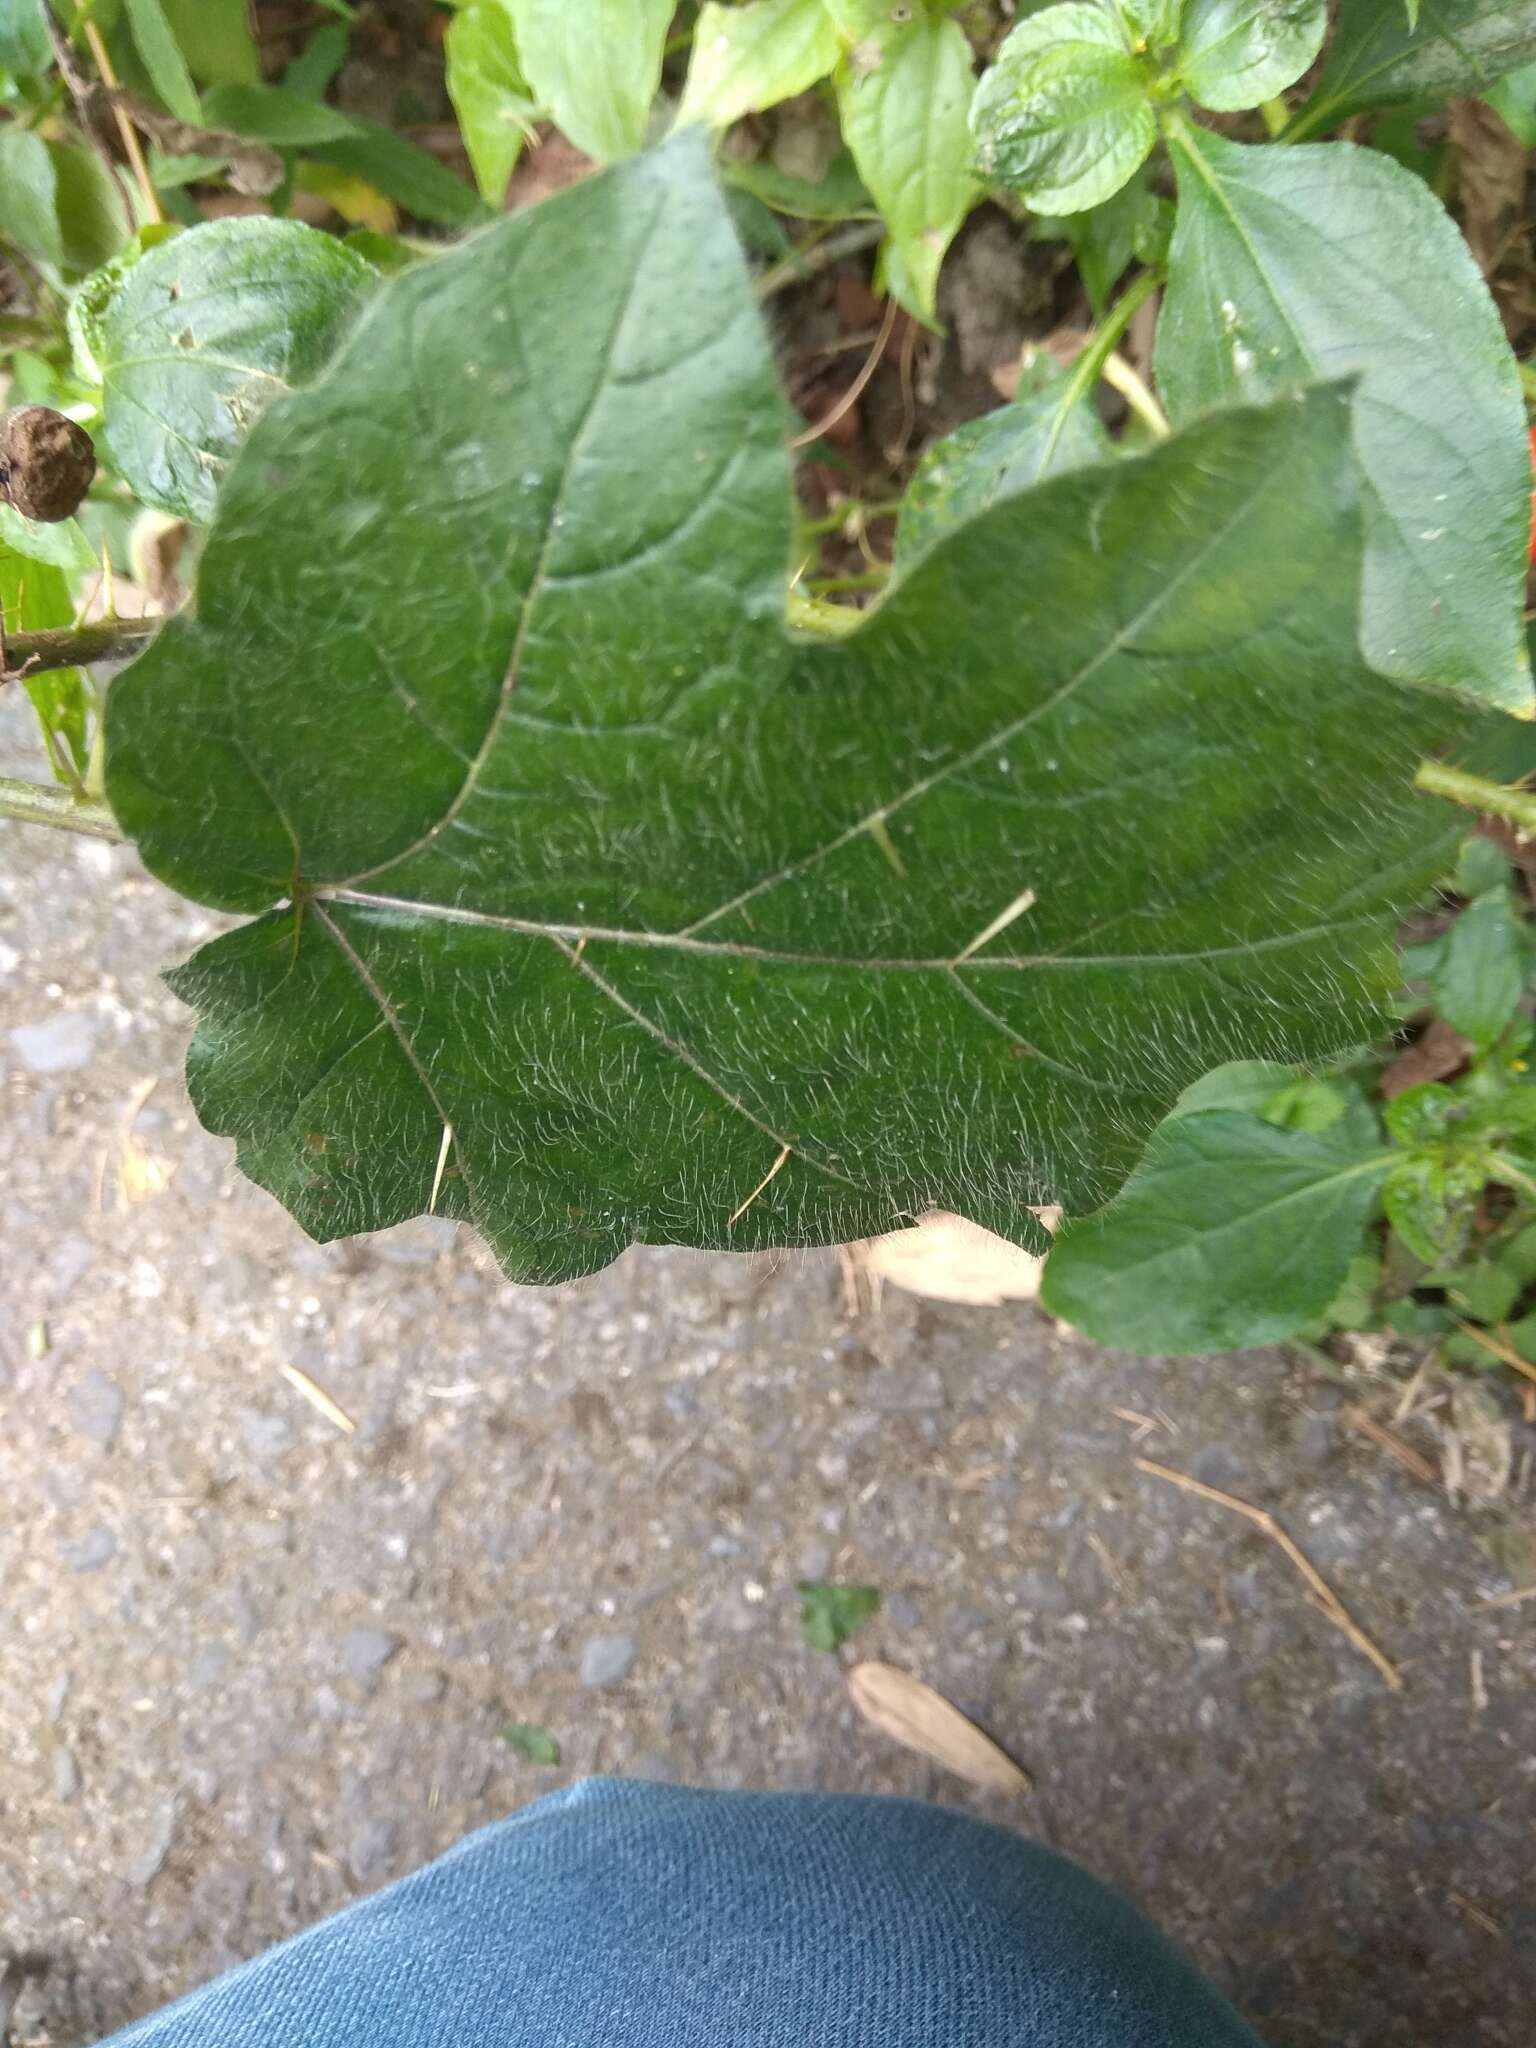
column 606, row 1659
column 150, row 1861
column 66, row 1775
column 96, row 1408
column 267, row 1435
column 366, row 1652
column 60, row 1045
column 88, row 1553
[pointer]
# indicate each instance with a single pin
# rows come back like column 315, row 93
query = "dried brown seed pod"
column 46, row 463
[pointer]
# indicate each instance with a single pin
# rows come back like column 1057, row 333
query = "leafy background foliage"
column 527, row 737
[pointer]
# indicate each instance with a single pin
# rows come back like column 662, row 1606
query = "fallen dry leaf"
column 946, row 1258
column 919, row 1718
column 1440, row 1053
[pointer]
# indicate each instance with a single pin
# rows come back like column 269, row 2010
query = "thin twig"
column 1500, row 1346
column 772, row 1174
column 75, row 646
column 87, row 106
column 1123, row 377
column 37, row 803
column 1505, row 1599
column 125, row 127
column 1323, row 1595
column 852, row 395
column 1389, row 1441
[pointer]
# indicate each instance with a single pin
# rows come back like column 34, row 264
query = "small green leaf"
column 1235, row 53
column 830, row 1614
column 1425, row 1115
column 1379, row 58
column 287, row 120
column 1154, row 22
column 1289, row 265
column 532, row 1742
column 1133, row 224
column 596, row 67
column 215, row 38
column 997, row 456
column 60, row 543
column 24, row 47
column 203, row 332
column 838, row 194
column 490, row 95
column 29, row 199
column 92, row 218
column 35, row 595
column 163, row 60
column 1481, row 865
column 1239, row 1084
column 903, row 100
column 751, row 57
column 1230, row 1233
column 1513, row 99
column 1354, row 1306
column 1486, row 1291
column 310, row 73
column 1429, row 1201
column 1480, row 977
column 1063, row 117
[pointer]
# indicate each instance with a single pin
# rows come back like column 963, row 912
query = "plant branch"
column 800, row 264
column 74, row 646
column 1494, row 799
column 36, row 803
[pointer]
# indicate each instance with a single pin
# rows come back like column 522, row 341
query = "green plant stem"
column 1277, row 117
column 1089, row 367
column 76, row 646
column 1495, row 799
column 35, row 803
column 1120, row 376
column 826, row 621
column 850, row 508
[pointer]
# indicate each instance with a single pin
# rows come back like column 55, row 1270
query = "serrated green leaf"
column 1063, row 117
column 997, row 456
column 1377, row 58
column 203, row 332
column 830, row 1614
column 903, row 99
column 287, row 120
column 652, row 902
column 531, row 1742
column 1291, row 264
column 597, row 68
column 749, row 57
column 1480, row 976
column 1235, row 53
column 167, row 68
column 1155, row 22
column 24, row 47
column 1231, row 1232
column 490, row 95
column 1429, row 1201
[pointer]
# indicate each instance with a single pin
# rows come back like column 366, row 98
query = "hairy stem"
column 76, row 646
column 1494, row 799
column 36, row 803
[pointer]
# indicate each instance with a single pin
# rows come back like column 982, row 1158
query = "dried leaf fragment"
column 919, row 1718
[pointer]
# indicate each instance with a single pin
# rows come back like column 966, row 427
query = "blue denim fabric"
column 628, row 1915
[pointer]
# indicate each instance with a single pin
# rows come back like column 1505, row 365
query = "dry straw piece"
column 919, row 1718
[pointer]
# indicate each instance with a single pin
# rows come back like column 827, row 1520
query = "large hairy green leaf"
column 599, row 907
column 1293, row 264
column 1380, row 57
